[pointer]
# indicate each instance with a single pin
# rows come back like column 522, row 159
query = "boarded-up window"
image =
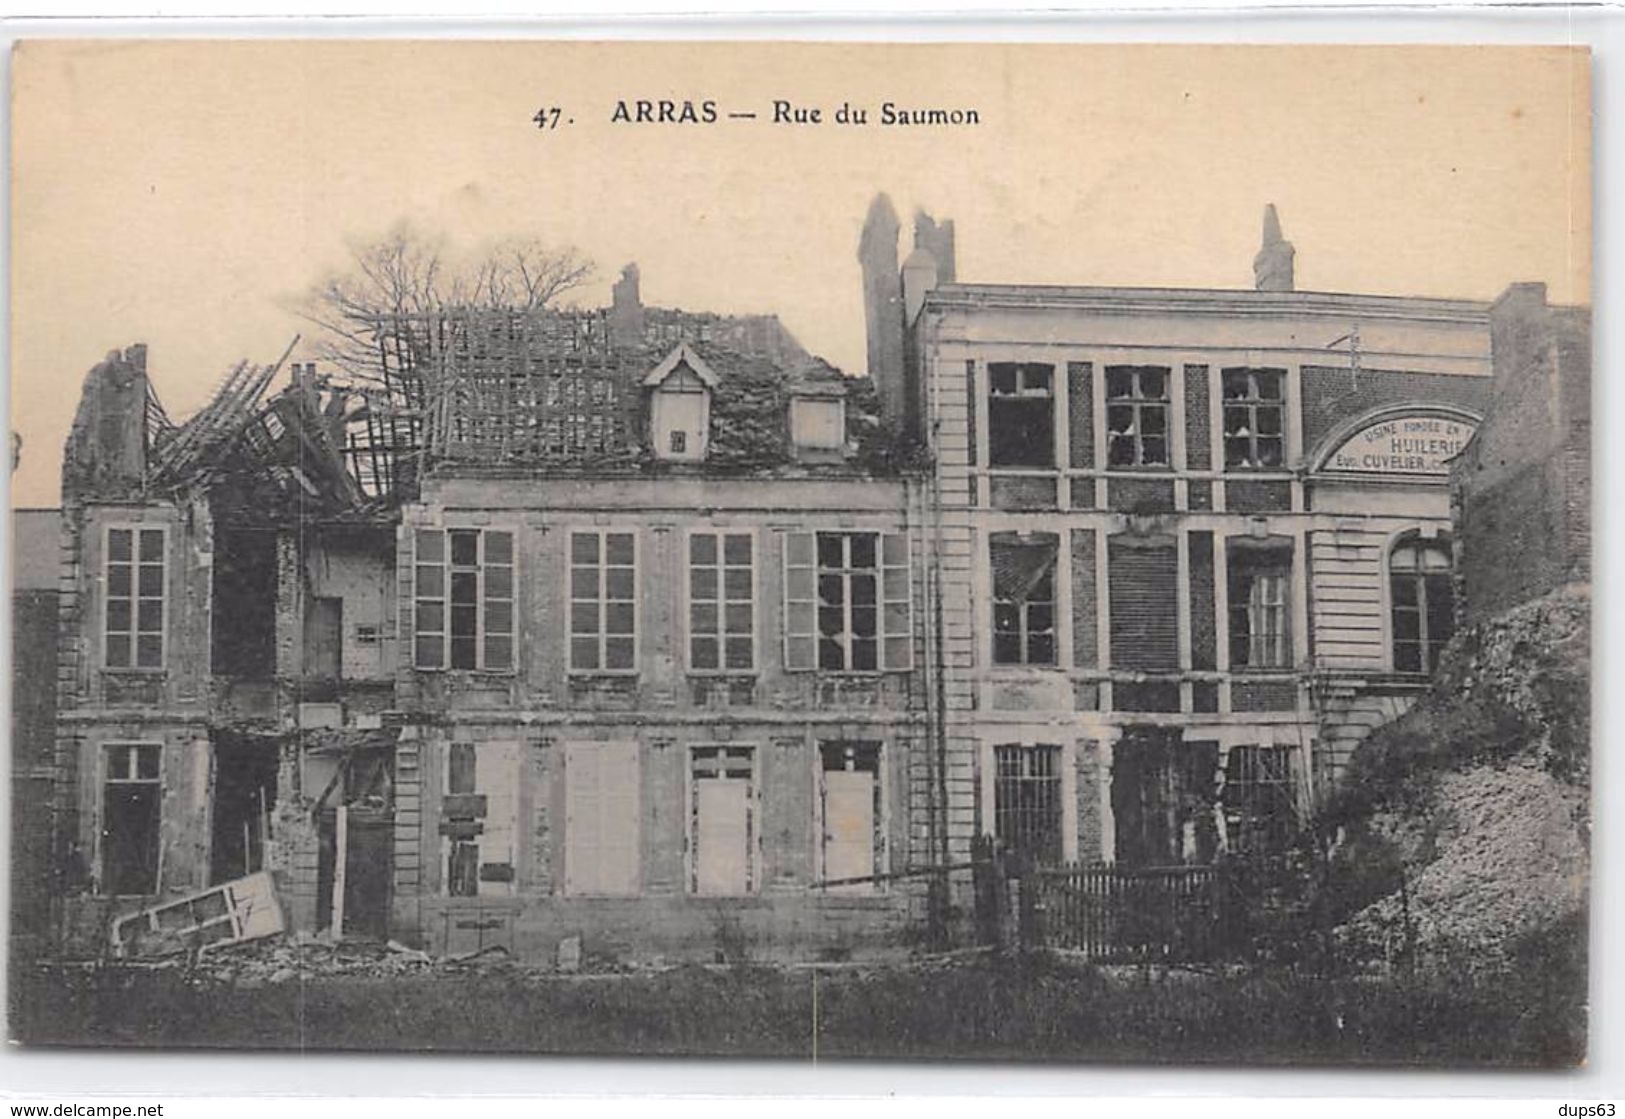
column 1027, row 807
column 135, row 598
column 853, row 842
column 1422, row 602
column 463, row 599
column 601, row 819
column 847, row 602
column 1259, row 582
column 479, row 818
column 1023, row 574
column 1258, row 806
column 723, row 824
column 1020, row 414
column 131, row 811
column 818, row 423
column 1143, row 574
column 603, row 602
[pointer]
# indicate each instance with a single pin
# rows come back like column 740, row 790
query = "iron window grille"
column 1027, row 813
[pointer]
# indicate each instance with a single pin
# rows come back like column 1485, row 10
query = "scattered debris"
column 242, row 910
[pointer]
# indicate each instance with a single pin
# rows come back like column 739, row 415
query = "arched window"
column 1422, row 599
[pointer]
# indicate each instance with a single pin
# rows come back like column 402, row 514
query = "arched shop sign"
column 1412, row 443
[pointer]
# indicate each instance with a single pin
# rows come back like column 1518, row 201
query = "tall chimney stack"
column 883, row 305
column 626, row 310
column 1272, row 267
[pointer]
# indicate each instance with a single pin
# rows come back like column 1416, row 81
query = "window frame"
column 1139, row 406
column 135, row 597
column 755, row 833
column 720, row 635
column 1428, row 648
column 481, row 599
column 1022, row 397
column 1244, row 809
column 1254, row 402
column 1024, row 631
column 497, row 803
column 602, row 635
column 886, row 638
column 103, row 837
column 1274, row 564
column 1064, row 794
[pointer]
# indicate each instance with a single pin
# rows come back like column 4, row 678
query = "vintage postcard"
column 1027, row 551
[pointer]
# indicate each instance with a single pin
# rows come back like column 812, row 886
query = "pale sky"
column 182, row 194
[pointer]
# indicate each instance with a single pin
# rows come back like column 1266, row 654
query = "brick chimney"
column 936, row 238
column 883, row 304
column 1272, row 267
column 626, row 310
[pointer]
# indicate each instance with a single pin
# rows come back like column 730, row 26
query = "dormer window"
column 680, row 406
column 818, row 423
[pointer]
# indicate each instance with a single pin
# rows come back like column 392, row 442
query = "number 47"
column 546, row 118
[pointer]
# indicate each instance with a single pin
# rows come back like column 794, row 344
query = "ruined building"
column 645, row 632
column 1191, row 544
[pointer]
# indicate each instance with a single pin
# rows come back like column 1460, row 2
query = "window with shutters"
column 602, row 819
column 721, row 602
column 1027, row 803
column 1260, row 578
column 1258, row 806
column 1023, row 569
column 852, row 840
column 135, row 601
column 1137, row 415
column 724, row 823
column 1142, row 572
column 479, row 823
column 603, row 601
column 1020, row 414
column 132, row 798
column 1254, row 408
column 847, row 602
column 463, row 599
column 1422, row 602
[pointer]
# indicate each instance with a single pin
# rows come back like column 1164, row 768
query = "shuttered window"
column 724, row 824
column 601, row 819
column 463, row 599
column 479, row 818
column 847, row 604
column 1143, row 579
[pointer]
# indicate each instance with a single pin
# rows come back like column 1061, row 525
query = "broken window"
column 241, row 804
column 1136, row 415
column 1423, row 602
column 1023, row 597
column 603, row 602
column 1020, row 414
column 723, row 821
column 464, row 599
column 1163, row 795
column 1260, row 575
column 131, row 810
column 479, row 818
column 1253, row 409
column 243, row 605
column 852, row 841
column 1027, row 808
column 847, row 604
column 1258, row 807
column 601, row 823
column 721, row 602
column 135, row 598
